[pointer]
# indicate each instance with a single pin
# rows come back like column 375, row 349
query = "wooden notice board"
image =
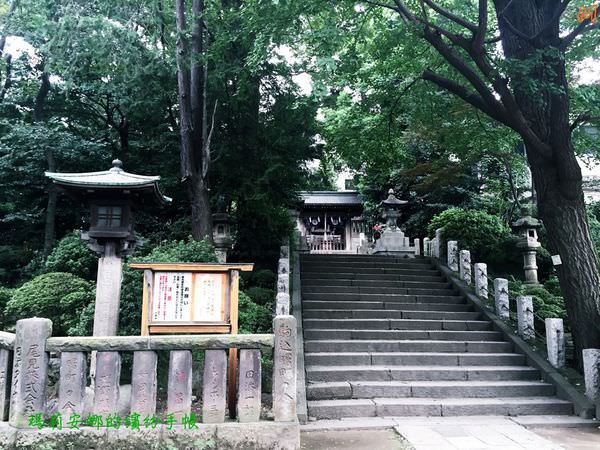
column 193, row 298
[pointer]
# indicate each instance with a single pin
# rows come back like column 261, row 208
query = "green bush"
column 5, row 296
column 546, row 304
column 72, row 255
column 263, row 278
column 261, row 296
column 485, row 235
column 254, row 318
column 58, row 296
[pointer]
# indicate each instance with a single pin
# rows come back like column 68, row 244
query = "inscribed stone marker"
column 106, row 389
column 555, row 342
column 214, row 386
column 453, row 255
column 30, row 370
column 284, row 369
column 71, row 391
column 179, row 393
column 249, row 391
column 525, row 317
column 4, row 373
column 143, row 383
column 501, row 297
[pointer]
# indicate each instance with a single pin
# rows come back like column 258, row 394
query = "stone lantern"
column 113, row 197
column 222, row 235
column 526, row 227
column 392, row 210
column 392, row 240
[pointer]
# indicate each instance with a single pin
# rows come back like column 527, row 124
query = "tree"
column 527, row 91
column 192, row 83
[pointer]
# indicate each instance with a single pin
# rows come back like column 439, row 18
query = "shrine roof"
column 331, row 199
column 114, row 178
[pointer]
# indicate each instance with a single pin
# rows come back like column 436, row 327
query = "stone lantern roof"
column 110, row 181
column 392, row 202
column 526, row 220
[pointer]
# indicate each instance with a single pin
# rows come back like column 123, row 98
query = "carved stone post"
column 106, row 388
column 179, row 398
column 30, row 371
column 143, row 383
column 501, row 297
column 438, row 243
column 4, row 382
column 417, row 246
column 525, row 317
column 453, row 256
column 481, row 281
column 284, row 369
column 249, row 393
column 591, row 373
column 73, row 379
column 465, row 266
column 555, row 342
column 426, row 247
column 214, row 386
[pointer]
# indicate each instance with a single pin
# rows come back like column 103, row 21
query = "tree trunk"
column 38, row 116
column 557, row 179
column 200, row 201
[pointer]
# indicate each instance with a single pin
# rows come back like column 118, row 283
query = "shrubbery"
column 485, row 235
column 58, row 296
column 546, row 303
column 72, row 255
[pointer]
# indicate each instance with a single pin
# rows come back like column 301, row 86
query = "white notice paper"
column 208, row 297
column 171, row 299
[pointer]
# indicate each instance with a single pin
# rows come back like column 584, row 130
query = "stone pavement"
column 441, row 433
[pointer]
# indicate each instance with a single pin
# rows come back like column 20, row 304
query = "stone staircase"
column 389, row 337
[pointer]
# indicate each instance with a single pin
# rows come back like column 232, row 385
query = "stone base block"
column 223, row 436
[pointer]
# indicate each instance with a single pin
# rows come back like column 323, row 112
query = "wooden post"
column 232, row 366
column 146, row 292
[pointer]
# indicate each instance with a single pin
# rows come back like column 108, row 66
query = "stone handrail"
column 31, row 346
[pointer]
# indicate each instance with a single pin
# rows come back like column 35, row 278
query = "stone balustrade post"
column 555, row 342
column 591, row 373
column 249, row 392
column 417, row 246
column 438, row 243
column 501, row 297
column 525, row 317
column 426, row 247
column 465, row 266
column 73, row 379
column 143, row 383
column 214, row 386
column 5, row 356
column 284, row 369
column 453, row 256
column 481, row 281
column 282, row 304
column 30, row 371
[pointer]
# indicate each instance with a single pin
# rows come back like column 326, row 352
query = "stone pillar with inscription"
column 4, row 380
column 453, row 255
column 143, row 383
column 30, row 371
column 284, row 369
column 525, row 324
column 249, row 386
column 106, row 387
column 501, row 297
column 179, row 391
column 71, row 391
column 214, row 386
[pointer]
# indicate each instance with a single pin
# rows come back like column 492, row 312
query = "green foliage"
column 263, row 278
column 483, row 234
column 261, row 296
column 58, row 296
column 546, row 304
column 253, row 317
column 72, row 255
column 5, row 296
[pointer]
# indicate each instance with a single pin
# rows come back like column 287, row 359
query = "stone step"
column 440, row 335
column 360, row 289
column 511, row 406
column 420, row 373
column 398, row 324
column 413, row 359
column 316, row 284
column 323, row 277
column 358, row 266
column 401, row 298
column 427, row 389
column 309, row 271
column 362, row 258
column 394, row 306
column 355, row 345
column 387, row 314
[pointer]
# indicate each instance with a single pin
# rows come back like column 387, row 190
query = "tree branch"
column 383, row 5
column 453, row 17
column 479, row 37
column 206, row 148
column 579, row 29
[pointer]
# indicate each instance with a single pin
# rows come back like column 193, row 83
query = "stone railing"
column 30, row 350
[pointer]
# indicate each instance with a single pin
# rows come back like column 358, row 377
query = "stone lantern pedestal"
column 526, row 226
column 222, row 235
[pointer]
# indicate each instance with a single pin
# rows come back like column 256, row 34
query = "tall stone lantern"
column 113, row 197
column 222, row 235
column 392, row 207
column 526, row 227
